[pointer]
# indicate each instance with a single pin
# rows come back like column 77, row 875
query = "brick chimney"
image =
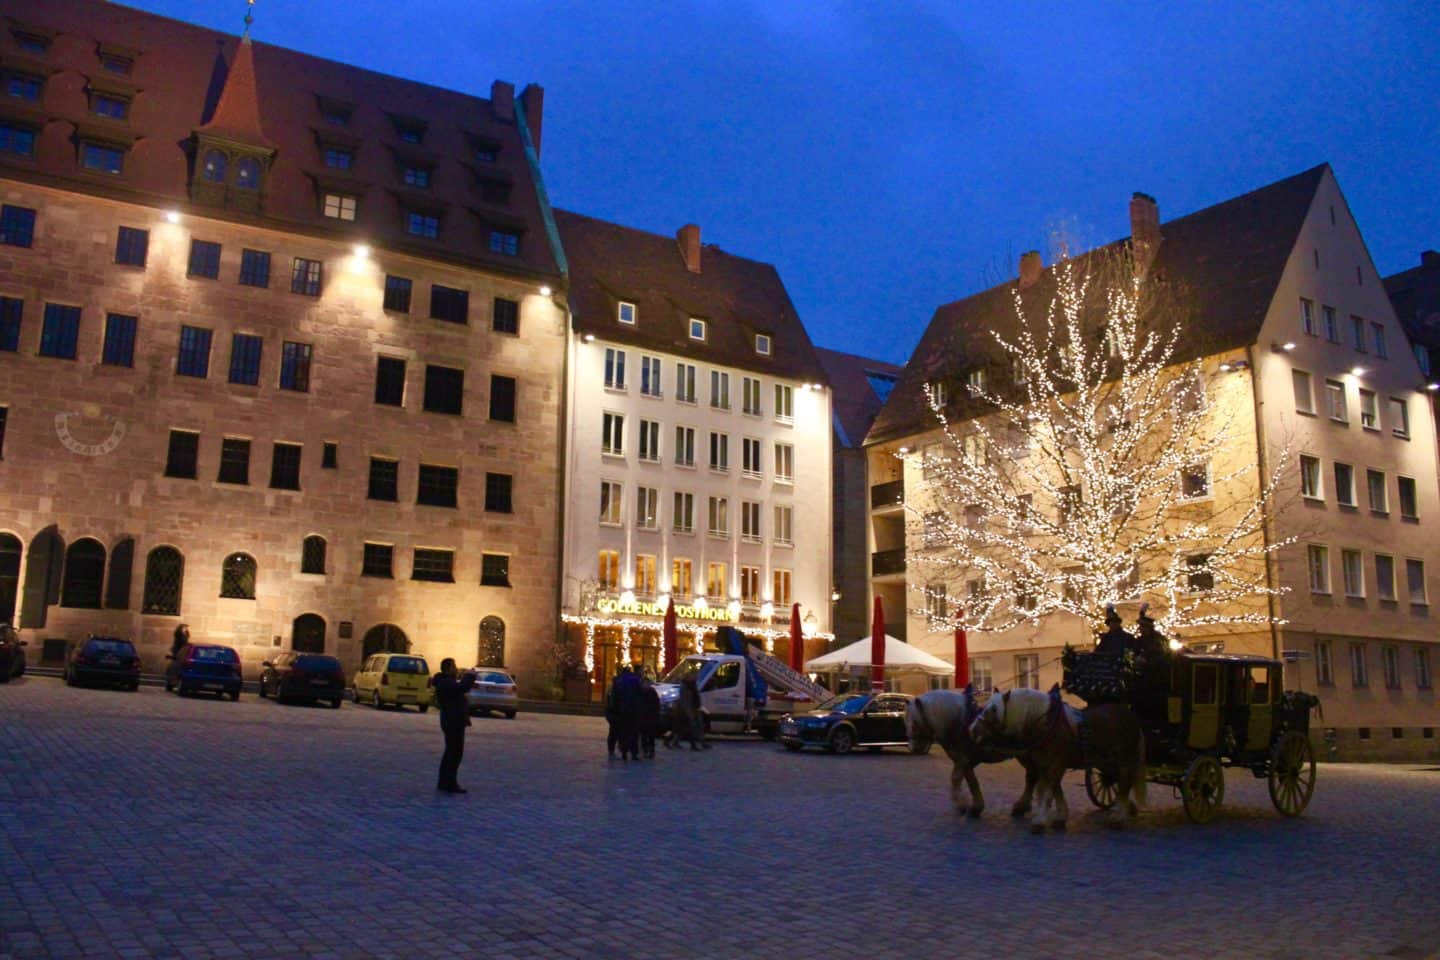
column 502, row 101
column 532, row 101
column 1031, row 266
column 1144, row 230
column 1429, row 258
column 689, row 238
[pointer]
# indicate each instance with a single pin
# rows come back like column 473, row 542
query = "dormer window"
column 30, row 41
column 336, row 113
column 485, row 150
column 495, row 192
column 504, row 241
column 102, row 157
column 697, row 329
column 418, row 177
column 23, row 86
column 938, row 393
column 975, row 381
column 115, row 63
column 340, row 206
column 17, row 139
column 108, row 105
column 626, row 313
column 247, row 174
column 339, row 158
column 213, row 169
column 762, row 344
column 408, row 129
column 422, row 225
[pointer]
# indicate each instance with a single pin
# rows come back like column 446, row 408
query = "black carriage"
column 1202, row 713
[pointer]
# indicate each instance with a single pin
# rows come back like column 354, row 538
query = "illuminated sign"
column 720, row 614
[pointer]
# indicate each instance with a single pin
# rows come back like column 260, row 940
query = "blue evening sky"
column 891, row 156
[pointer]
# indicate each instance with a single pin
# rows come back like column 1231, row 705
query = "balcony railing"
column 886, row 562
column 890, row 494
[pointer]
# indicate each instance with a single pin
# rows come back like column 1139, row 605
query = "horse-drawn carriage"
column 1202, row 713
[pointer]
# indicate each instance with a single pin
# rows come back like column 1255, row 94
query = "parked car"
column 12, row 653
column 394, row 679
column 103, row 660
column 304, row 677
column 850, row 720
column 204, row 666
column 494, row 692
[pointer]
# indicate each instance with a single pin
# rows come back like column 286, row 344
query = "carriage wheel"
column 1102, row 787
column 1203, row 789
column 1292, row 773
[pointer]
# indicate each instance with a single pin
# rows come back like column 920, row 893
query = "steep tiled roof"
column 187, row 79
column 737, row 298
column 855, row 400
column 1222, row 264
column 1415, row 293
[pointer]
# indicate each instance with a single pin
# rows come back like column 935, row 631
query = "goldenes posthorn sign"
column 655, row 610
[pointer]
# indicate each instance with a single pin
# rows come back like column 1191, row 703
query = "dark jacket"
column 1114, row 642
column 450, row 698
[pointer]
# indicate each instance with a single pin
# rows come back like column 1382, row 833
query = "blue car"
column 204, row 668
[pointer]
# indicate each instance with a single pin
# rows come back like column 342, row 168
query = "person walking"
column 612, row 717
column 450, row 690
column 688, row 722
column 649, row 716
column 627, row 713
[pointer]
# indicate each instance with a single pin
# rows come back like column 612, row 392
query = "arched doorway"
column 10, row 548
column 384, row 638
column 84, row 574
column 491, row 652
column 307, row 633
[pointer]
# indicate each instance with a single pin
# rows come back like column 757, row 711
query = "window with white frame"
column 1344, row 484
column 685, row 446
column 1422, row 668
column 650, row 440
column 1359, row 670
column 1195, row 481
column 647, row 508
column 609, row 570
column 932, row 530
column 1199, row 578
column 750, row 585
column 781, row 532
column 1324, row 664
column 981, row 676
column 974, row 448
column 750, row 396
column 1409, row 504
column 1304, row 398
column 719, row 517
column 975, row 380
column 975, row 590
column 937, row 602
column 719, row 390
column 697, row 329
column 780, row 587
column 1332, row 325
column 625, row 313
column 611, row 494
column 614, row 369
column 750, row 520
column 1385, row 577
column 612, row 435
column 1415, row 582
column 1027, row 670
column 1377, row 333
column 1399, row 417
column 1335, row 401
column 1310, row 478
column 717, row 582
column 938, row 395
column 1307, row 317
column 1018, row 371
column 681, row 577
column 1352, row 568
column 1375, row 487
column 685, row 382
column 1357, row 333
column 1369, row 410
column 340, row 206
column 684, row 513
column 1318, row 563
column 650, row 376
column 750, row 456
column 785, row 462
column 784, row 402
column 719, row 451
column 1390, row 665
column 762, row 344
column 645, row 574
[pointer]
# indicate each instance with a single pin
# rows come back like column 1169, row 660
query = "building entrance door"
column 384, row 638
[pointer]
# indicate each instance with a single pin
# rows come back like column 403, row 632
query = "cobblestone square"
column 143, row 825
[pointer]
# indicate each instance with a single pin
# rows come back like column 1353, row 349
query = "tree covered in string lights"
column 1095, row 455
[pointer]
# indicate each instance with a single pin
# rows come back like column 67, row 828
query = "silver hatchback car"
column 494, row 692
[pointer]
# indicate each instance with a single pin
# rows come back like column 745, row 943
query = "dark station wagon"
column 304, row 677
column 108, row 660
column 850, row 720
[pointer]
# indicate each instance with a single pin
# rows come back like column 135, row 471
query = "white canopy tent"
column 900, row 657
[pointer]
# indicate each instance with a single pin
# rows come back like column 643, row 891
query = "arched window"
column 312, row 555
column 44, row 561
column 307, row 633
column 247, row 173
column 84, row 574
column 214, row 168
column 122, row 562
column 492, row 643
column 10, row 548
column 384, row 638
column 237, row 577
column 164, row 576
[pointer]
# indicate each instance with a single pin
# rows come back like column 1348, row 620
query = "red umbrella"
column 797, row 640
column 671, row 636
column 877, row 647
column 962, row 660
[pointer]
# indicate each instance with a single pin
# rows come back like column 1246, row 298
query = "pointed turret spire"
column 249, row 19
column 237, row 116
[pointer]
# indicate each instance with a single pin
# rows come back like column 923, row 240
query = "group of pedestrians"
column 632, row 710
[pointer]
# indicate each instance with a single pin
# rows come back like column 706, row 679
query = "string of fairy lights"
column 628, row 625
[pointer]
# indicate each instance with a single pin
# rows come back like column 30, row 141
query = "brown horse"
column 944, row 717
column 1056, row 737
